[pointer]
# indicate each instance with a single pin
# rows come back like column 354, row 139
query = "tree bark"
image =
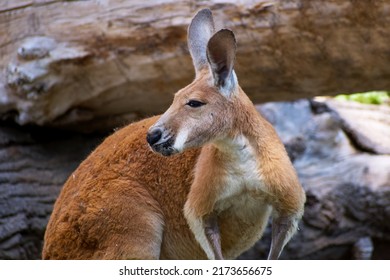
column 34, row 164
column 96, row 64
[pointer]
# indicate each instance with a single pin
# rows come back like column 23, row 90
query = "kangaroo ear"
column 221, row 53
column 199, row 33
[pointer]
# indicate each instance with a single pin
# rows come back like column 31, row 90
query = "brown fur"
column 107, row 210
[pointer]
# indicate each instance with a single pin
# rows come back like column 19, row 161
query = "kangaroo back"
column 121, row 201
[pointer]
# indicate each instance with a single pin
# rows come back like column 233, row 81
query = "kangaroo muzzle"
column 160, row 141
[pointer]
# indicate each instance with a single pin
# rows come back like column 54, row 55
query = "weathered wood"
column 348, row 190
column 33, row 166
column 67, row 62
column 369, row 130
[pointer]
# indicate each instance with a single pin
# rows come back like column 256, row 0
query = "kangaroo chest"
column 242, row 183
column 242, row 206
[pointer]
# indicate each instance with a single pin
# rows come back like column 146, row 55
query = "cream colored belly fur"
column 241, row 207
column 248, row 217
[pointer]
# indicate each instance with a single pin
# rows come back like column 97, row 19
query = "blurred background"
column 74, row 71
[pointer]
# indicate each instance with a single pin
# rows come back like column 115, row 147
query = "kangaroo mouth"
column 166, row 148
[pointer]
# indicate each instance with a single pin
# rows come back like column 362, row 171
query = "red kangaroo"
column 202, row 185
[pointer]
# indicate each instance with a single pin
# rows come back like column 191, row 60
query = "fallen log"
column 97, row 64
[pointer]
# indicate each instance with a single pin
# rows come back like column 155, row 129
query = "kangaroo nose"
column 153, row 136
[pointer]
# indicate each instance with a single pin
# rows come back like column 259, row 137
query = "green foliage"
column 372, row 97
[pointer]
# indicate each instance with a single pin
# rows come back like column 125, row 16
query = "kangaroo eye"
column 195, row 103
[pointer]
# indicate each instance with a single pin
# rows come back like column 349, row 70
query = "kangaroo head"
column 202, row 111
